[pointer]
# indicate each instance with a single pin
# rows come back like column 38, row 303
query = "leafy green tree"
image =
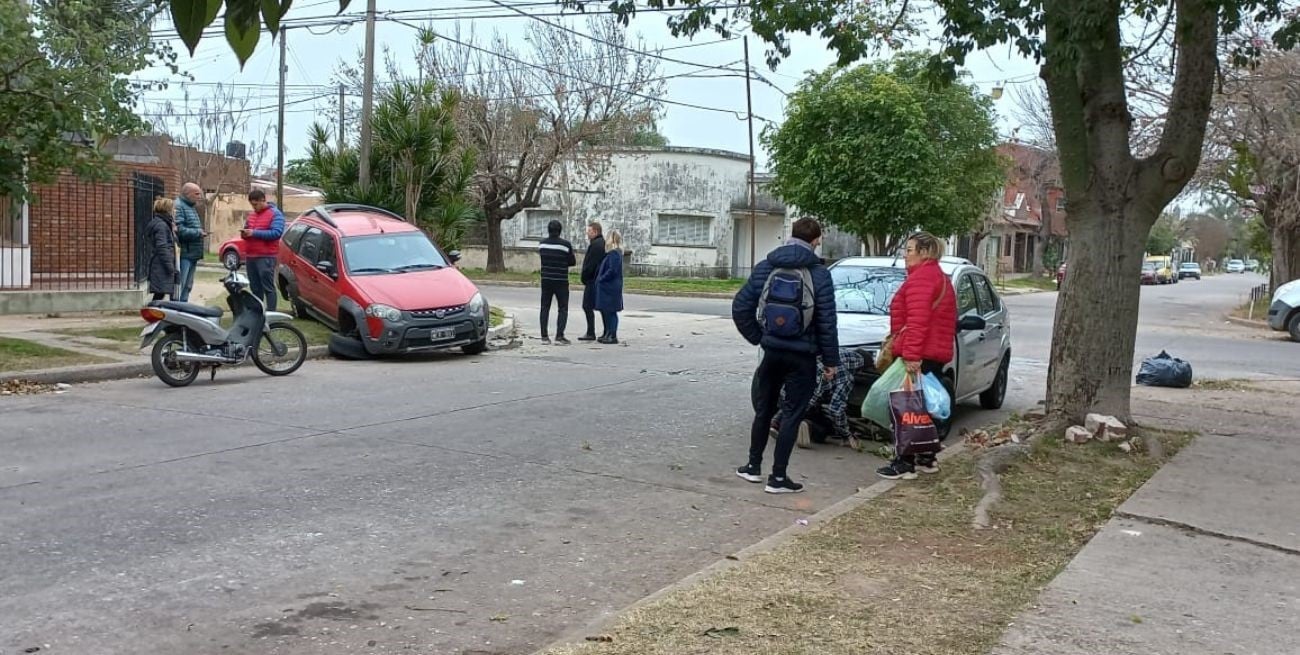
column 300, row 171
column 418, row 167
column 1164, row 236
column 879, row 152
column 63, row 86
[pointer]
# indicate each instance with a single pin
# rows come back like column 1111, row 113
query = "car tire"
column 477, row 348
column 342, row 346
column 230, row 259
column 1293, row 326
column 993, row 397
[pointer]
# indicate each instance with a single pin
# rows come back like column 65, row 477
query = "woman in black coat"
column 160, row 235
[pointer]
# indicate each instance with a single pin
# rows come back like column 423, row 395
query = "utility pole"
column 279, row 138
column 367, row 94
column 749, row 111
column 342, row 108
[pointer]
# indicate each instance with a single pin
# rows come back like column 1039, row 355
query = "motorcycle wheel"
column 294, row 343
column 165, row 366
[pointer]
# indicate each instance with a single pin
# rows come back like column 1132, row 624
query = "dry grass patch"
column 904, row 573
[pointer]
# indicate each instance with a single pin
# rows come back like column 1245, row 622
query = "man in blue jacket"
column 763, row 314
column 189, row 236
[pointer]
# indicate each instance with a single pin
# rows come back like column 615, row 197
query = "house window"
column 683, row 230
column 536, row 220
column 1007, row 244
column 1060, row 204
column 1020, row 200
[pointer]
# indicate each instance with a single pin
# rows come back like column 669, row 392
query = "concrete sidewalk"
column 1204, row 558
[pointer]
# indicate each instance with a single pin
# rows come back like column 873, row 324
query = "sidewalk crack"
column 1199, row 531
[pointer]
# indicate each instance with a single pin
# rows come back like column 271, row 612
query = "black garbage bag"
column 1165, row 370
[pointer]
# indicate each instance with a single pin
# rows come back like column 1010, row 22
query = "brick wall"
column 85, row 231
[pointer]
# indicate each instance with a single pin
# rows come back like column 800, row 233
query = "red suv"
column 379, row 282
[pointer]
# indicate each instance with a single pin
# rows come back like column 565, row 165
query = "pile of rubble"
column 1101, row 428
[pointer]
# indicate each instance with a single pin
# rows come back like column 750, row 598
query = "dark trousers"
column 927, row 366
column 610, row 319
column 559, row 290
column 261, row 279
column 797, row 374
column 589, row 308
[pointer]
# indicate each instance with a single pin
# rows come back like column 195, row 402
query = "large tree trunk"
column 1095, row 331
column 496, row 259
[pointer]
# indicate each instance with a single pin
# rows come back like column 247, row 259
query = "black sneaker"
column 587, row 337
column 562, row 341
column 927, row 465
column 784, row 485
column 897, row 471
column 546, row 341
column 750, row 473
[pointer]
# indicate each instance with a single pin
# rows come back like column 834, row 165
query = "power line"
column 579, row 79
column 564, row 28
column 241, row 110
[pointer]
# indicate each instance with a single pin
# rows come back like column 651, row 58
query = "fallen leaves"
column 26, row 388
column 977, row 439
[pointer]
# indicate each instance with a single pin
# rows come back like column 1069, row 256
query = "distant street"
column 445, row 504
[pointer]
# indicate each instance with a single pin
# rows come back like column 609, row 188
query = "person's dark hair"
column 807, row 230
column 595, row 225
column 256, row 194
column 553, row 228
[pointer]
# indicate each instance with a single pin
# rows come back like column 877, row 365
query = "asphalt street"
column 444, row 504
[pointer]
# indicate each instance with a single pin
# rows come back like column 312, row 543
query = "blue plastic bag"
column 937, row 401
column 875, row 407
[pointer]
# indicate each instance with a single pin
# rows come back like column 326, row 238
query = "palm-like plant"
column 418, row 167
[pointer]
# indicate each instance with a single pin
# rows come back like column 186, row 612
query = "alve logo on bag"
column 916, row 419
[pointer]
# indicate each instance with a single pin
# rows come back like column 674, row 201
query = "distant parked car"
column 231, row 252
column 1235, row 266
column 1284, row 313
column 1060, row 276
column 1150, row 275
column 1252, row 265
column 1189, row 269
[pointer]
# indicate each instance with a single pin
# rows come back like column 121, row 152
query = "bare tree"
column 1254, row 150
column 530, row 112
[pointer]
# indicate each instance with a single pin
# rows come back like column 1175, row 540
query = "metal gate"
column 145, row 189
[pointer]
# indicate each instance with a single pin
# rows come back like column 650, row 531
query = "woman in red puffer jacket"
column 923, row 320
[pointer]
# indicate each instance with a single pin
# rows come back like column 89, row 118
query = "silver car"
column 864, row 287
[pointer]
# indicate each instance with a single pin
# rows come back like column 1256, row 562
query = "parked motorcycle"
column 190, row 337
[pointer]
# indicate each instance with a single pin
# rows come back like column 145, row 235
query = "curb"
column 107, row 372
column 627, row 292
column 766, row 545
column 1262, row 325
column 126, row 370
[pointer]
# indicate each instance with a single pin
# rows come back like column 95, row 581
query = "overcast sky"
column 314, row 53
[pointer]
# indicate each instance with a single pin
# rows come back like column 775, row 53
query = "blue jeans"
column 186, row 281
column 610, row 319
column 261, row 279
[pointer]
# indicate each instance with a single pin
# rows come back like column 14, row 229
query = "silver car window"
column 967, row 302
column 988, row 300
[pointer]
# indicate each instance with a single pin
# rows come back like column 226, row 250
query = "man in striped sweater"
column 557, row 258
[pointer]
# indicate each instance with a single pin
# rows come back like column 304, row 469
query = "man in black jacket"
column 789, row 362
column 557, row 257
column 590, row 266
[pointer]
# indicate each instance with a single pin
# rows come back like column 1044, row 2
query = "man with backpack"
column 787, row 307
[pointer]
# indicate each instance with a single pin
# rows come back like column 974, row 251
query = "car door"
column 310, row 286
column 968, row 342
column 989, row 351
column 328, row 286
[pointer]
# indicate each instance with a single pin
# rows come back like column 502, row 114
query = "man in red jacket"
column 923, row 320
column 261, row 233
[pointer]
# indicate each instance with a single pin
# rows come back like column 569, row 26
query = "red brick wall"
column 81, row 228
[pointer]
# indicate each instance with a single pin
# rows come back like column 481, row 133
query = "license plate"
column 439, row 334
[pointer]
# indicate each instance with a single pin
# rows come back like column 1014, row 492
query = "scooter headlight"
column 384, row 311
